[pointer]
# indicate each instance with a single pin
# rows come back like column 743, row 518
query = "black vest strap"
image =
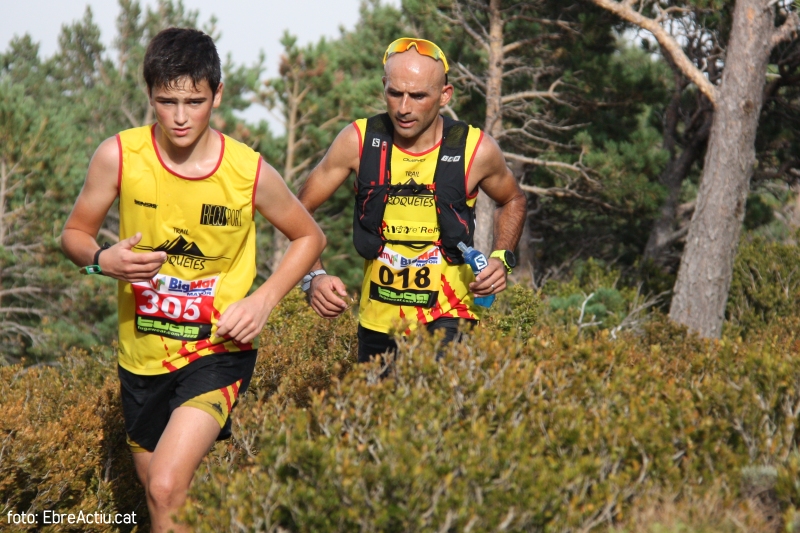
column 456, row 219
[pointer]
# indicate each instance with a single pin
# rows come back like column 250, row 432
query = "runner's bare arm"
column 337, row 165
column 326, row 292
column 493, row 176
column 78, row 239
column 244, row 319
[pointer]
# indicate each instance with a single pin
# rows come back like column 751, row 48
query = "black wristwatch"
column 94, row 268
column 507, row 257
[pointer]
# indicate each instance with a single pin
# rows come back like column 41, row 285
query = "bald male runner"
column 418, row 179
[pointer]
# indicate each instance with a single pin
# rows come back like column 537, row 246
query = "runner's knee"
column 165, row 491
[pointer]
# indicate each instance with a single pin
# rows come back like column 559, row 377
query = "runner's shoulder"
column 346, row 148
column 105, row 162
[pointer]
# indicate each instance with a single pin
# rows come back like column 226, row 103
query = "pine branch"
column 670, row 46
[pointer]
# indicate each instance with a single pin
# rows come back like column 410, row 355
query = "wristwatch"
column 305, row 284
column 94, row 268
column 507, row 257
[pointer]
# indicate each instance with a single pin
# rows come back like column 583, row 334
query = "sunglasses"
column 424, row 47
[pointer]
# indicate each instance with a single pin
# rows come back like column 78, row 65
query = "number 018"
column 421, row 278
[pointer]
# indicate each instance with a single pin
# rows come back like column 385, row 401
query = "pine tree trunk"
column 279, row 241
column 526, row 254
column 704, row 277
column 484, row 208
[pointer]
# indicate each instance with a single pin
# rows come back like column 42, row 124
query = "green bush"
column 523, row 427
column 765, row 285
column 548, row 433
column 594, row 299
column 63, row 443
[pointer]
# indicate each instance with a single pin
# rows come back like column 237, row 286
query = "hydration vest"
column 373, row 185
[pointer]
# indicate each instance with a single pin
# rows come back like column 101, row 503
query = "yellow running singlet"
column 205, row 225
column 414, row 272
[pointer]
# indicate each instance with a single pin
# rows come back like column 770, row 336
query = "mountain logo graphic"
column 180, row 246
column 410, row 188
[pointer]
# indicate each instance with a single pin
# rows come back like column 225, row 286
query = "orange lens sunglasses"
column 424, row 47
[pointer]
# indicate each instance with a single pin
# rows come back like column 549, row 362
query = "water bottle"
column 478, row 262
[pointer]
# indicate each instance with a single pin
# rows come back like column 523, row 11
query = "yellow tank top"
column 415, row 274
column 205, row 225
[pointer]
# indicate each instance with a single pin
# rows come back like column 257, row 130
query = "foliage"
column 64, row 442
column 543, row 434
column 515, row 311
column 42, row 312
column 765, row 285
column 539, row 430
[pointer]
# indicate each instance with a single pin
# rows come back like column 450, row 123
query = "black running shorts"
column 212, row 383
column 374, row 343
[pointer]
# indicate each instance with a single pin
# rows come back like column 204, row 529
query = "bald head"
column 412, row 64
column 415, row 91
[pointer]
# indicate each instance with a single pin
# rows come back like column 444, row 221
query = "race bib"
column 175, row 308
column 400, row 280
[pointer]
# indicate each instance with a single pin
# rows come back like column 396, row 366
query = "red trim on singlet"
column 469, row 167
column 255, row 187
column 227, row 397
column 158, row 154
column 360, row 141
column 169, row 366
column 454, row 301
column 119, row 172
column 429, row 150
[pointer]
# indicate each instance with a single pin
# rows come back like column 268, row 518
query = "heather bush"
column 523, row 427
column 765, row 285
column 593, row 300
column 63, row 443
column 546, row 433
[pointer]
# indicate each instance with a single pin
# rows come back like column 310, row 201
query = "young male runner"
column 418, row 179
column 185, row 263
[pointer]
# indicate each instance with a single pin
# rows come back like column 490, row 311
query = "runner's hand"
column 491, row 279
column 243, row 320
column 121, row 262
column 323, row 295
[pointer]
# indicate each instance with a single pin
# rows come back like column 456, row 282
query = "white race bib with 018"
column 400, row 280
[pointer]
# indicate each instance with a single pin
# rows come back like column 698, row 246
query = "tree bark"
column 280, row 242
column 484, row 208
column 704, row 277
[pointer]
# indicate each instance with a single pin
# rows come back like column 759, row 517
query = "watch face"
column 511, row 260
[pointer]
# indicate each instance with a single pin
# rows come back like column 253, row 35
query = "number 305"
column 170, row 306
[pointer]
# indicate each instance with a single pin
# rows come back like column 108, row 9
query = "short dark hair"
column 181, row 52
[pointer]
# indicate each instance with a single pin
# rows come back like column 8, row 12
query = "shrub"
column 515, row 311
column 548, row 433
column 63, row 443
column 594, row 299
column 522, row 427
column 765, row 285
